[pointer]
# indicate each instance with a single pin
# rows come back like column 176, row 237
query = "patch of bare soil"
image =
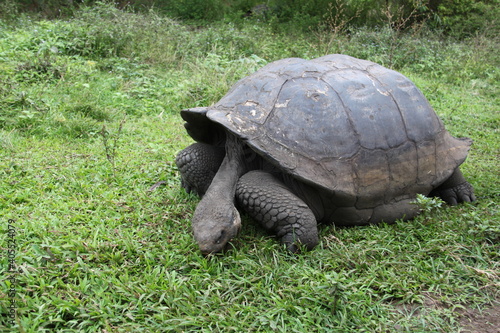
column 471, row 320
column 486, row 322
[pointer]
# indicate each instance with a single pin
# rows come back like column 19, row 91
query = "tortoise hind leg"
column 269, row 201
column 198, row 165
column 455, row 189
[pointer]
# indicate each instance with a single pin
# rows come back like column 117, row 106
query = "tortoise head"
column 215, row 223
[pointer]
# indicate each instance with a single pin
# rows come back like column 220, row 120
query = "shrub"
column 464, row 18
column 102, row 31
column 9, row 10
column 194, row 9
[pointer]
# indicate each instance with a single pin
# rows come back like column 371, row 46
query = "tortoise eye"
column 221, row 236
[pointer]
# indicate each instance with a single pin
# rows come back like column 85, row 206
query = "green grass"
column 99, row 250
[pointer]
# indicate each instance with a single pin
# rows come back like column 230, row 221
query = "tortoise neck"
column 223, row 185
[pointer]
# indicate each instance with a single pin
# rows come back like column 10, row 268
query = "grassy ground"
column 89, row 124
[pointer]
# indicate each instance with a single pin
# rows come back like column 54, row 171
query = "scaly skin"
column 455, row 190
column 193, row 177
column 270, row 202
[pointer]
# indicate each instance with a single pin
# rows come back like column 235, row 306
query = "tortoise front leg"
column 198, row 165
column 269, row 201
column 455, row 189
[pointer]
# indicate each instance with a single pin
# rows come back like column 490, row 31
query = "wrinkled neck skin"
column 216, row 220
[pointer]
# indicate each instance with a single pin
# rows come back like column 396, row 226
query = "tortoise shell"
column 346, row 125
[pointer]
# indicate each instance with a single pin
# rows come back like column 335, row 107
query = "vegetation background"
column 90, row 93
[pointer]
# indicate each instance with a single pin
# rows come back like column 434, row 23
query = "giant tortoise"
column 335, row 139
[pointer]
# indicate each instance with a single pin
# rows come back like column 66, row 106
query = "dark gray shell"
column 347, row 125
